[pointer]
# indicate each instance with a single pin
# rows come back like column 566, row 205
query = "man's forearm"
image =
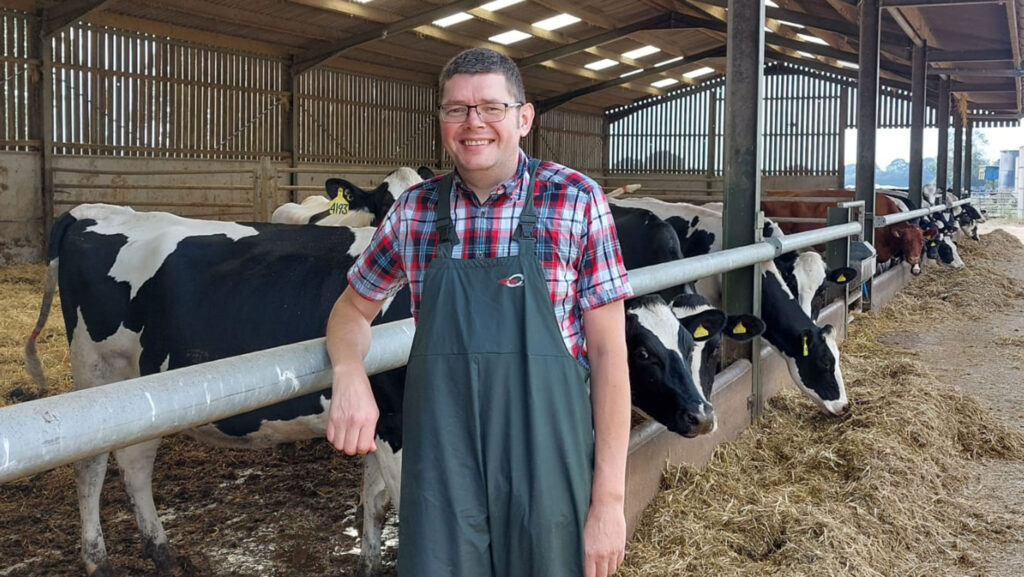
column 609, row 390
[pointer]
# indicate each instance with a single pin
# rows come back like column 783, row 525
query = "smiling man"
column 516, row 411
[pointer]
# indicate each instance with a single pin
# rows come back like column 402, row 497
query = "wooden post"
column 45, row 127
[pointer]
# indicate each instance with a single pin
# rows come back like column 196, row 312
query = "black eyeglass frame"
column 441, row 111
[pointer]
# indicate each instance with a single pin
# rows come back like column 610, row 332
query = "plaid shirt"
column 577, row 244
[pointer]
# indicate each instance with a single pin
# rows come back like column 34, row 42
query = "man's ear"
column 526, row 115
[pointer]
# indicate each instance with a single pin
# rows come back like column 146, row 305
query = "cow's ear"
column 842, row 275
column 331, row 186
column 742, row 328
column 425, row 172
column 931, row 233
column 804, row 344
column 705, row 324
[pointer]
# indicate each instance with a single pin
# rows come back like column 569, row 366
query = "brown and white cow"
column 901, row 240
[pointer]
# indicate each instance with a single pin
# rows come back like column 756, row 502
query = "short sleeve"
column 602, row 276
column 378, row 273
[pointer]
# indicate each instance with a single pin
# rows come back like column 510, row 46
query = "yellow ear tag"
column 806, row 352
column 739, row 329
column 842, row 278
column 701, row 332
column 896, row 233
column 338, row 205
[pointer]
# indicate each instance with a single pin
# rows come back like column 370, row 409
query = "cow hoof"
column 20, row 395
column 167, row 562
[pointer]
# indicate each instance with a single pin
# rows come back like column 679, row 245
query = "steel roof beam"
column 660, row 22
column 316, row 57
column 64, row 14
column 970, row 55
column 547, row 104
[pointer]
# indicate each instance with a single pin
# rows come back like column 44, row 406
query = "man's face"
column 486, row 153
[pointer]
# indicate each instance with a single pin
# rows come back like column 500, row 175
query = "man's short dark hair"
column 483, row 61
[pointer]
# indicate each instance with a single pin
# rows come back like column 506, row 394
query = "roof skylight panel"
column 510, row 37
column 556, row 22
column 641, row 52
column 453, row 19
column 601, row 64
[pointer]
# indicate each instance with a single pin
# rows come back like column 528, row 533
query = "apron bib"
column 497, row 434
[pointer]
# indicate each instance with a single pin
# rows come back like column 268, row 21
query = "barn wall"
column 21, row 212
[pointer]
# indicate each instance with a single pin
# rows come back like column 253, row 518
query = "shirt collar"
column 510, row 188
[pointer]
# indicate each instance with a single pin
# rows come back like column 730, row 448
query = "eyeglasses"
column 488, row 112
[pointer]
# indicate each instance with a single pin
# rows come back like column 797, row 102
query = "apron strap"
column 525, row 234
column 446, row 236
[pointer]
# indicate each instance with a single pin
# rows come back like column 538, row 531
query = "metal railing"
column 38, row 435
column 888, row 219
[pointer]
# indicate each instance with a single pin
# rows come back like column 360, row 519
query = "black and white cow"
column 646, row 240
column 811, row 352
column 346, row 204
column 147, row 292
column 940, row 230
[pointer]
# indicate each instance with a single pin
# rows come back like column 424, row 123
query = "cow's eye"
column 642, row 354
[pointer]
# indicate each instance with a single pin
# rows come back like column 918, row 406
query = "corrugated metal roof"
column 394, row 38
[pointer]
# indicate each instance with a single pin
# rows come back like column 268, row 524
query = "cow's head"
column 811, row 352
column 910, row 240
column 948, row 254
column 660, row 348
column 707, row 352
column 348, row 197
column 807, row 277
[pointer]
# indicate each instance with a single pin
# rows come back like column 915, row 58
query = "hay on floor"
column 879, row 493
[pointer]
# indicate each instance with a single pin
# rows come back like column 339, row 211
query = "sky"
column 893, row 143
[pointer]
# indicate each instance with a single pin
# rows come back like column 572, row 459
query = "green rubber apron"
column 498, row 437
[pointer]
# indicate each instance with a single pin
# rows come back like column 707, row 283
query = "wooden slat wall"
column 350, row 118
column 119, row 93
column 670, row 137
column 569, row 138
column 18, row 81
column 801, row 125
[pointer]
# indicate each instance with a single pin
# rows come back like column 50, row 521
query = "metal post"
column 958, row 152
column 742, row 162
column 837, row 254
column 867, row 112
column 968, row 158
column 919, row 88
column 942, row 123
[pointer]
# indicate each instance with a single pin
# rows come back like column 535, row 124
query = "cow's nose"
column 916, row 269
column 837, row 408
column 702, row 421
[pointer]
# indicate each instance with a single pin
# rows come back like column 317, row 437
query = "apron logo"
column 512, row 281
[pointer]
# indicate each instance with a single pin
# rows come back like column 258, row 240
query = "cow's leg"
column 89, row 474
column 374, row 500
column 136, row 463
column 390, row 464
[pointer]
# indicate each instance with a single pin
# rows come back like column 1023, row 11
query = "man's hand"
column 604, row 540
column 352, row 418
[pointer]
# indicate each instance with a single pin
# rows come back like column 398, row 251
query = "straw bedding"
column 885, row 491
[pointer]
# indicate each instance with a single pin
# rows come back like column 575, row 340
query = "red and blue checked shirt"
column 577, row 244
